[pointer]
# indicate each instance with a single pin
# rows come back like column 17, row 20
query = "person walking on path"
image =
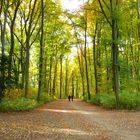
column 69, row 97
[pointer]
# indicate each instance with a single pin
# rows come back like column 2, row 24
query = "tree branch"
column 19, row 41
column 35, row 24
column 106, row 5
column 104, row 13
column 35, row 38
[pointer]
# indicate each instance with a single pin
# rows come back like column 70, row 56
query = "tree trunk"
column 60, row 76
column 16, row 71
column 81, row 68
column 115, row 61
column 72, row 84
column 138, row 9
column 94, row 59
column 115, row 52
column 77, row 88
column 22, row 58
column 107, row 70
column 28, row 35
column 98, row 57
column 55, row 77
column 50, row 76
column 138, row 53
column 85, row 56
column 45, row 74
column 12, row 40
column 41, row 52
column 90, row 70
column 66, row 80
column 27, row 68
column 1, row 6
column 113, row 24
column 3, row 59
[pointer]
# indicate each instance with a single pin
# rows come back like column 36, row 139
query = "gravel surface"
column 63, row 120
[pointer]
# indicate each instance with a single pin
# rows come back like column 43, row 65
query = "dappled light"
column 68, row 111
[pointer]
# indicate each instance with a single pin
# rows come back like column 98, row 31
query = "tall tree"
column 81, row 67
column 85, row 54
column 138, row 51
column 113, row 22
column 4, row 10
column 29, row 30
column 94, row 57
column 41, row 51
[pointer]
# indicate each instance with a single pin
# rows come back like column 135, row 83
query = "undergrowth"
column 130, row 101
column 19, row 104
column 14, row 100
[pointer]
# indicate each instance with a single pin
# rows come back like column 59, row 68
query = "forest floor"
column 64, row 120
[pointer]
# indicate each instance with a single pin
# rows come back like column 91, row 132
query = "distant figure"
column 69, row 97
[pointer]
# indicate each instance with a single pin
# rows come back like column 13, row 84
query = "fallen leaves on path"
column 63, row 120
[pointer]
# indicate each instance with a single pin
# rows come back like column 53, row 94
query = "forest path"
column 63, row 120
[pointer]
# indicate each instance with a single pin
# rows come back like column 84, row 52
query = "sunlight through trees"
column 85, row 51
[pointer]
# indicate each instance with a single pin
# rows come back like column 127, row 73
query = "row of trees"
column 92, row 50
column 31, row 34
column 113, row 27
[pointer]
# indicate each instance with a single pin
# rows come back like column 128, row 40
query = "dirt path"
column 63, row 120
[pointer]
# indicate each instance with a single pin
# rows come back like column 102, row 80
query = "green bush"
column 32, row 93
column 45, row 98
column 85, row 97
column 127, row 100
column 15, row 93
column 105, row 100
column 19, row 104
column 22, row 104
column 130, row 101
column 14, row 100
column 108, row 101
column 96, row 99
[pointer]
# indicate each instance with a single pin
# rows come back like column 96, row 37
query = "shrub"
column 108, row 101
column 32, row 93
column 105, row 100
column 18, row 93
column 19, row 104
column 11, row 94
column 130, row 101
column 85, row 97
column 45, row 98
column 96, row 99
column 127, row 100
column 14, row 100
